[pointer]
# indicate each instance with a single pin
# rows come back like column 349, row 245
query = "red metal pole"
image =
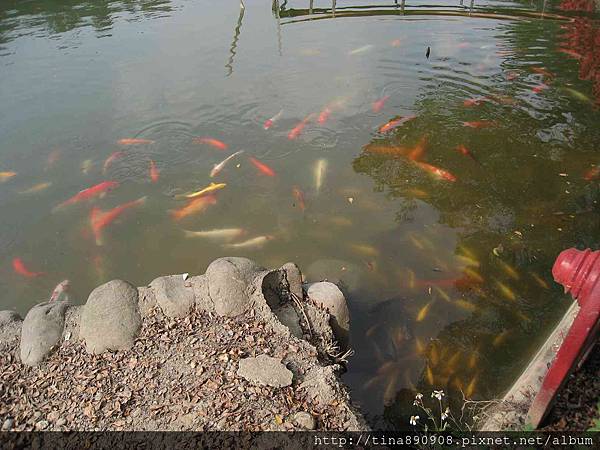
column 579, row 273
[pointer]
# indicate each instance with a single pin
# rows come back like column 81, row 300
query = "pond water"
column 442, row 226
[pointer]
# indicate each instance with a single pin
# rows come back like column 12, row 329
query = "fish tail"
column 189, row 234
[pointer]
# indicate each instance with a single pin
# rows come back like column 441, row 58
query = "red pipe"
column 579, row 272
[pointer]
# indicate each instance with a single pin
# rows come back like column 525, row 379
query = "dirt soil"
column 181, row 374
column 576, row 407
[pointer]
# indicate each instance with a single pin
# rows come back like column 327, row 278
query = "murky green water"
column 448, row 273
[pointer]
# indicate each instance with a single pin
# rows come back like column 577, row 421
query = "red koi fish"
column 263, row 168
column 395, row 123
column 90, row 193
column 592, row 174
column 19, row 267
column 295, row 132
column 134, row 141
column 196, row 205
column 269, row 122
column 299, row 196
column 436, row 171
column 324, row 115
column 154, row 172
column 539, row 88
column 100, row 219
column 466, row 152
column 480, row 124
column 475, row 101
column 112, row 158
column 220, row 145
column 379, row 104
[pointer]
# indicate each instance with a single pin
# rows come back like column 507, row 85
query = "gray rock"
column 110, row 319
column 346, row 275
column 8, row 424
column 146, row 300
column 305, row 420
column 173, row 296
column 201, row 295
column 265, row 370
column 41, row 425
column 294, row 279
column 287, row 315
column 60, row 422
column 320, row 385
column 10, row 326
column 41, row 331
column 229, row 281
column 329, row 297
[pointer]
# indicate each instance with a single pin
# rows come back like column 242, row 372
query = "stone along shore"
column 237, row 348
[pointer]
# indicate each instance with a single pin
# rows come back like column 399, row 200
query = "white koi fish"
column 222, row 234
column 218, row 167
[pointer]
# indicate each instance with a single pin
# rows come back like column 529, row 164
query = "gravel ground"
column 576, row 407
column 180, row 375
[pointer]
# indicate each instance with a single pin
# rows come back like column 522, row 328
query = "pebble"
column 8, row 424
column 41, row 425
column 305, row 420
column 60, row 422
column 53, row 416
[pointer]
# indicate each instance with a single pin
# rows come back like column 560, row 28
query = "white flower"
column 445, row 414
column 437, row 394
column 413, row 420
column 419, row 396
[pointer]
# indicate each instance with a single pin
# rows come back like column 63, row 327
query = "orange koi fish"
column 480, row 124
column 378, row 105
column 113, row 157
column 19, row 267
column 212, row 142
column 571, row 53
column 263, row 168
column 436, row 171
column 417, row 151
column 395, row 151
column 134, row 141
column 299, row 196
column 100, row 219
column 324, row 115
column 195, row 206
column 592, row 174
column 466, row 152
column 542, row 71
column 90, row 192
column 539, row 88
column 5, row 176
column 269, row 122
column 295, row 132
column 154, row 172
column 395, row 123
column 475, row 101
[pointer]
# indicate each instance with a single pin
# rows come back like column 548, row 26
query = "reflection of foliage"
column 581, row 40
column 62, row 16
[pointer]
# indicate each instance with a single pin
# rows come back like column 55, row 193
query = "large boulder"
column 42, row 330
column 265, row 370
column 329, row 297
column 230, row 281
column 174, row 296
column 294, row 279
column 202, row 298
column 110, row 319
